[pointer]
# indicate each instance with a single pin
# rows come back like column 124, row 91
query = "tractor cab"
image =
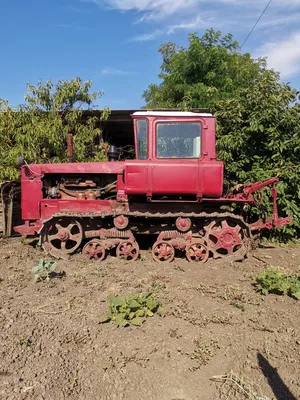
column 165, row 135
column 175, row 154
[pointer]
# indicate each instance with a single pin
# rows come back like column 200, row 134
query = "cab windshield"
column 178, row 140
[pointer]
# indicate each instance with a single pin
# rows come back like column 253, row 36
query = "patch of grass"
column 132, row 309
column 273, row 281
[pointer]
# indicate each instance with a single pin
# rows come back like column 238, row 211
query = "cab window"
column 178, row 140
column 142, row 139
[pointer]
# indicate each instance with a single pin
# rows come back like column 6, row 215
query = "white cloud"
column 283, row 55
column 153, row 8
column 197, row 23
column 145, row 37
column 112, row 71
column 168, row 7
column 282, row 19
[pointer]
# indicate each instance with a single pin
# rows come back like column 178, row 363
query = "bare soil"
column 52, row 346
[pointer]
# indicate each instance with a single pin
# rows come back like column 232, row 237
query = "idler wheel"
column 62, row 236
column 94, row 250
column 197, row 252
column 163, row 252
column 128, row 250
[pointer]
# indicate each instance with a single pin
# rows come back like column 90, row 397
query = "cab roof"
column 149, row 113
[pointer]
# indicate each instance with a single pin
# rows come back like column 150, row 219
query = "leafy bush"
column 44, row 270
column 273, row 281
column 37, row 130
column 132, row 309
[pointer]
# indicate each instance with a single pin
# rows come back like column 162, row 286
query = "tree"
column 258, row 117
column 208, row 70
column 259, row 137
column 37, row 129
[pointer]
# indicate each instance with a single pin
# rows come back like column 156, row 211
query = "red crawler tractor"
column 173, row 189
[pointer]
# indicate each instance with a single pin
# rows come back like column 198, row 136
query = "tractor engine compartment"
column 80, row 187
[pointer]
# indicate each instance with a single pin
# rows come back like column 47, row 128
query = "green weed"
column 273, row 281
column 44, row 270
column 132, row 309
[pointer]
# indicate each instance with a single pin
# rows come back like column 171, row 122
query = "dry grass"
column 234, row 386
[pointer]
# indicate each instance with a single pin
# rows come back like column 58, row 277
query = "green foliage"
column 44, row 270
column 132, row 309
column 37, row 130
column 209, row 69
column 273, row 281
column 258, row 116
column 259, row 137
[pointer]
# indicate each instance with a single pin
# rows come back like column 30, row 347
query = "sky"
column 115, row 43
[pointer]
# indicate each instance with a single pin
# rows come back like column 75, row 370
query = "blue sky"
column 114, row 42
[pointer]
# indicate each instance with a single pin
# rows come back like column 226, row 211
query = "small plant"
column 238, row 305
column 273, row 281
column 44, row 270
column 156, row 285
column 132, row 309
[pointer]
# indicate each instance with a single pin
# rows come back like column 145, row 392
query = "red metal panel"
column 75, row 168
column 174, row 177
column 31, row 197
column 136, row 177
column 186, row 177
column 212, row 178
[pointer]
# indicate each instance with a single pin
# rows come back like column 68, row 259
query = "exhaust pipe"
column 70, row 146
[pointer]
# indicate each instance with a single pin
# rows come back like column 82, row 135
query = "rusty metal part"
column 128, row 250
column 183, row 224
column 110, row 233
column 70, row 147
column 80, row 196
column 94, row 250
column 164, row 235
column 90, row 195
column 197, row 252
column 163, row 252
column 61, row 236
column 203, row 215
column 227, row 237
column 121, row 221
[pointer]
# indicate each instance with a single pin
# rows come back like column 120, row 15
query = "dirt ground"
column 53, row 347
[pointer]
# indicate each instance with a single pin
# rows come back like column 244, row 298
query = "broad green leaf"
column 140, row 313
column 131, row 315
column 106, row 318
column 152, row 304
column 36, row 277
column 133, row 304
column 160, row 311
column 138, row 321
column 116, row 301
column 296, row 295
